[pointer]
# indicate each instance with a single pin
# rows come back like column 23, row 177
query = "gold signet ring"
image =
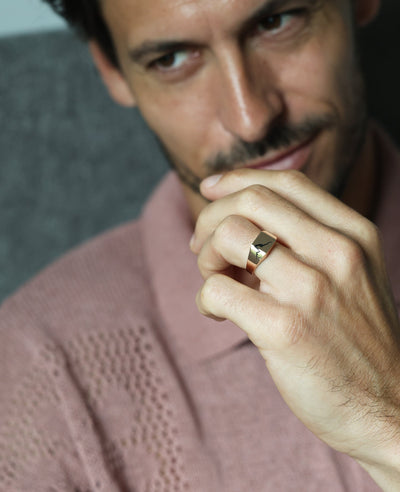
column 260, row 248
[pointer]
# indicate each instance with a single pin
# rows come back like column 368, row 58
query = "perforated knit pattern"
column 125, row 360
column 111, row 366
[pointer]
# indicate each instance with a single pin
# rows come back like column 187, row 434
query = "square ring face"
column 260, row 249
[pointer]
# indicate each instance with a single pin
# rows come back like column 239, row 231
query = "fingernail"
column 211, row 180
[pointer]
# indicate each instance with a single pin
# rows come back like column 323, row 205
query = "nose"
column 247, row 102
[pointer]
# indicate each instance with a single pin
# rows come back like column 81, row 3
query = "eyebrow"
column 270, row 7
column 154, row 47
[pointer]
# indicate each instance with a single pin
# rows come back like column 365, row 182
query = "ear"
column 366, row 11
column 112, row 77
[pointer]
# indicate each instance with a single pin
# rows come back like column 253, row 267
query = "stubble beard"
column 351, row 138
column 352, row 135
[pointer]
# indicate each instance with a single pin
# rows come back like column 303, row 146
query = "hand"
column 321, row 315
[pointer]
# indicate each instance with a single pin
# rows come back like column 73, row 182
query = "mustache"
column 280, row 136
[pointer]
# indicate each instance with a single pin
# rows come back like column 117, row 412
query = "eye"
column 171, row 61
column 277, row 22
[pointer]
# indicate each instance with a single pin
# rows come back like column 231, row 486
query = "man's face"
column 232, row 83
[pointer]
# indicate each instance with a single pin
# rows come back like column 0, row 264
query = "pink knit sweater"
column 110, row 380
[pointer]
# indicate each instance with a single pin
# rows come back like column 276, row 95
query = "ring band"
column 260, row 248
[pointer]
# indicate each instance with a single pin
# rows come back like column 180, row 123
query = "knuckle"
column 316, row 290
column 201, row 221
column 292, row 179
column 227, row 226
column 294, row 328
column 238, row 175
column 349, row 257
column 224, row 232
column 352, row 252
column 370, row 232
column 209, row 293
column 210, row 288
column 253, row 197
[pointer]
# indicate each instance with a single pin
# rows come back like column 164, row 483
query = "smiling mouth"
column 295, row 157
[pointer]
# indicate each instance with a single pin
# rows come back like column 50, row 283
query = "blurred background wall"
column 26, row 16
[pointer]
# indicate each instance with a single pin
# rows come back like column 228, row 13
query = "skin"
column 227, row 87
column 322, row 313
column 319, row 309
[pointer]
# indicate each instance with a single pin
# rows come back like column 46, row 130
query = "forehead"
column 138, row 19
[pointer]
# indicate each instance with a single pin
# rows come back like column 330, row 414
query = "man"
column 114, row 382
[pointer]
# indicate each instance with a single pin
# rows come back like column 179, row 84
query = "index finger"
column 298, row 189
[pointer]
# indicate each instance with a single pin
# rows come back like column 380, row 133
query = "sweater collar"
column 172, row 268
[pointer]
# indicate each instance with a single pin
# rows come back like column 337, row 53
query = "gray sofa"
column 74, row 164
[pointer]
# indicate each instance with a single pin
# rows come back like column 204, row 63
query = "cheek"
column 319, row 78
column 179, row 118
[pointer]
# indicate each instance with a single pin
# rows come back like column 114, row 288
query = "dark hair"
column 86, row 19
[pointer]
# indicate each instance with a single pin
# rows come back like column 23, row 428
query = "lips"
column 294, row 158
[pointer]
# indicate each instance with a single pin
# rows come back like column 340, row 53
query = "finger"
column 270, row 327
column 282, row 275
column 321, row 246
column 268, row 211
column 228, row 245
column 297, row 188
